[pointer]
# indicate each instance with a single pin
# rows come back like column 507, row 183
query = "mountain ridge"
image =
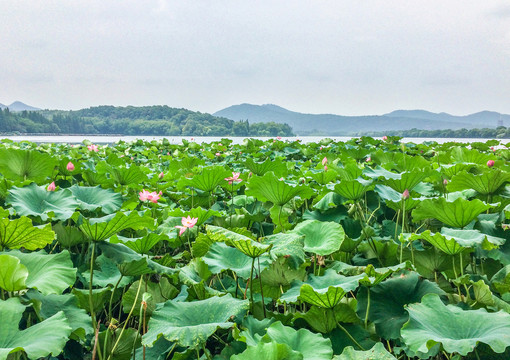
column 332, row 124
column 19, row 106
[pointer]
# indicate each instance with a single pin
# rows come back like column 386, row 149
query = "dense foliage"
column 363, row 249
column 147, row 120
column 500, row 132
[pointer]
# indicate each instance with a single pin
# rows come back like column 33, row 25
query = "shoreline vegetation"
column 167, row 121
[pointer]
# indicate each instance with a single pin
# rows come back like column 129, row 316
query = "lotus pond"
column 365, row 249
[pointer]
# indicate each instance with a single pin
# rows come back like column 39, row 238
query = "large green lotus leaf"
column 394, row 199
column 270, row 188
column 21, row 165
column 374, row 275
column 130, row 263
column 325, row 321
column 501, row 280
column 486, row 183
column 201, row 214
column 473, row 238
column 243, row 243
column 48, row 305
column 254, row 329
column 99, row 298
column 378, row 352
column 430, row 262
column 379, row 172
column 459, row 331
column 261, row 168
column 191, row 323
column 93, row 197
column 451, row 170
column 13, row 275
column 68, row 235
column 321, row 238
column 312, row 346
column 268, row 351
column 387, row 302
column 407, row 181
column 40, row 340
column 100, row 229
column 446, row 244
column 209, row 178
column 48, row 273
column 37, row 201
column 324, row 291
column 328, row 201
column 457, row 214
column 195, row 272
column 277, row 278
column 322, row 177
column 122, row 175
column 159, row 293
column 353, row 189
column 461, row 154
column 141, row 245
column 288, row 245
column 222, row 257
column 108, row 274
column 21, row 233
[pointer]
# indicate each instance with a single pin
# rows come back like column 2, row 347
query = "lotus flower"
column 445, row 182
column 385, row 138
column 70, row 166
column 324, row 161
column 144, row 195
column 405, row 194
column 187, row 223
column 217, row 154
column 279, row 137
column 51, row 187
column 490, row 163
column 368, row 159
column 93, row 148
column 325, row 168
column 154, row 196
column 161, row 175
column 234, row 178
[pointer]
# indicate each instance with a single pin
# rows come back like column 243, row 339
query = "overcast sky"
column 340, row 56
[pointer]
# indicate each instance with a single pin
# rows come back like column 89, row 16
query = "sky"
column 346, row 57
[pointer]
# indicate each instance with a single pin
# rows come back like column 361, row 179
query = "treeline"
column 130, row 120
column 501, row 132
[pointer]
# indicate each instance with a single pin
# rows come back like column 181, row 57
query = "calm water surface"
column 77, row 139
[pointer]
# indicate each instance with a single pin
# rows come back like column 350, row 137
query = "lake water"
column 106, row 139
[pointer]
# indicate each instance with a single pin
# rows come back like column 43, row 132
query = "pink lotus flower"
column 93, row 148
column 154, row 196
column 144, row 195
column 70, row 166
column 325, row 168
column 324, row 161
column 445, row 182
column 187, row 223
column 233, row 178
column 51, row 187
column 368, row 159
column 492, row 148
column 490, row 163
column 161, row 175
column 217, row 154
column 279, row 137
column 385, row 138
column 405, row 194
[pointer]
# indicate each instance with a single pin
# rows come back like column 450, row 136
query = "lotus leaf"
column 21, row 233
column 459, row 331
column 486, row 183
column 457, row 213
column 268, row 351
column 191, row 323
column 209, row 178
column 48, row 273
column 353, row 189
column 243, row 243
column 21, row 165
column 100, row 229
column 321, row 238
column 270, row 188
column 39, row 340
column 37, row 201
column 387, row 301
column 13, row 275
column 92, row 198
column 288, row 245
column 378, row 352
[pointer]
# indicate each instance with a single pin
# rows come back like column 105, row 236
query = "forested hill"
column 131, row 120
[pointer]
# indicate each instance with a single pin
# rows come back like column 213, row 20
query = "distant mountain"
column 19, row 106
column 329, row 124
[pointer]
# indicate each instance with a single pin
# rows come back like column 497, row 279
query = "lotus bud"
column 405, row 194
column 385, row 138
column 51, row 187
column 161, row 175
column 490, row 163
column 325, row 168
column 324, row 161
column 368, row 159
column 445, row 181
column 70, row 166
